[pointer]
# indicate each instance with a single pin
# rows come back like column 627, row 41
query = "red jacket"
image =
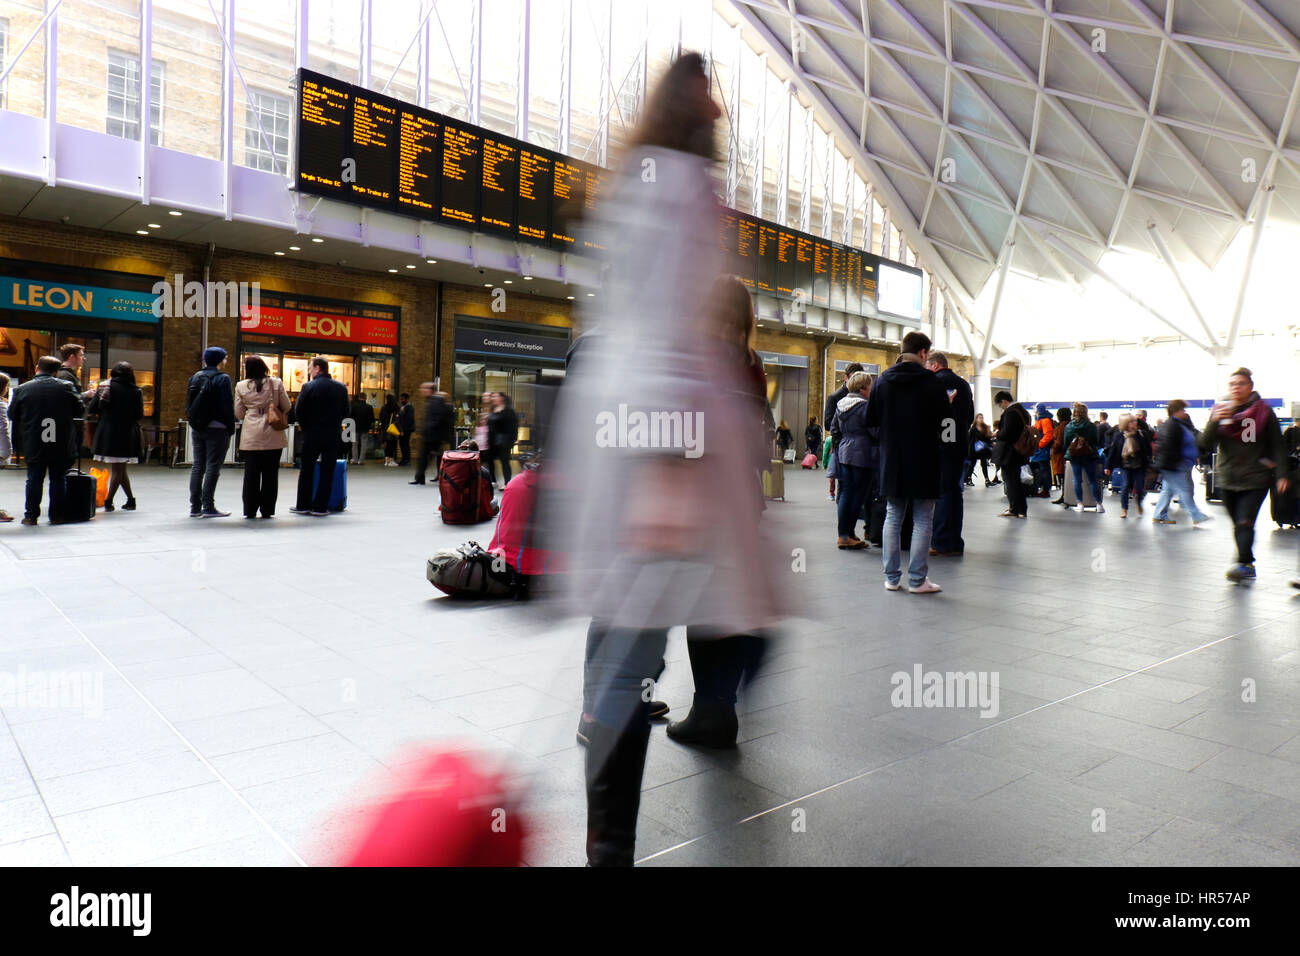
column 515, row 527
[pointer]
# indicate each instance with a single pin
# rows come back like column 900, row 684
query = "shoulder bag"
column 274, row 417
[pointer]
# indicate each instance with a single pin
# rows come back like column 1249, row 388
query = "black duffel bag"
column 470, row 572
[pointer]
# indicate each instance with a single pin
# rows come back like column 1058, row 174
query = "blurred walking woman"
column 259, row 440
column 664, row 536
column 388, row 416
column 6, row 449
column 120, row 406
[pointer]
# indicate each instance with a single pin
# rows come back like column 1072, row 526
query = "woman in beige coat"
column 260, row 443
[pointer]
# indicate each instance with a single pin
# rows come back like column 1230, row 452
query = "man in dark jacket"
column 908, row 404
column 363, row 419
column 858, row 459
column 1014, row 422
column 406, row 424
column 435, row 431
column 1176, row 455
column 210, row 411
column 322, row 406
column 948, row 512
column 44, row 411
column 828, row 416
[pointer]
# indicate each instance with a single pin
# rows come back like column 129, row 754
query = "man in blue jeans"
column 909, row 405
column 210, row 411
column 1176, row 455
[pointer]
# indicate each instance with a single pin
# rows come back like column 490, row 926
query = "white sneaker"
column 830, row 497
column 896, row 586
column 1079, row 507
column 1101, row 509
column 925, row 587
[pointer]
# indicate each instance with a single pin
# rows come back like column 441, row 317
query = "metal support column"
column 146, row 96
column 805, row 191
column 476, row 62
column 733, row 150
column 51, row 86
column 566, row 74
column 367, row 37
column 1158, row 240
column 422, row 56
column 759, row 177
column 1256, row 233
column 521, row 87
column 997, row 304
column 228, row 110
column 783, row 168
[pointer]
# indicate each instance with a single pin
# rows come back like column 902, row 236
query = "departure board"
column 361, row 147
column 419, row 157
column 821, row 273
column 374, row 142
column 536, row 184
column 568, row 196
column 462, row 170
column 324, row 134
column 500, row 186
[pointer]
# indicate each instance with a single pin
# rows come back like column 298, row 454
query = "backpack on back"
column 466, row 494
column 203, row 409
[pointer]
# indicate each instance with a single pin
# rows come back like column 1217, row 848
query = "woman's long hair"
column 676, row 116
column 122, row 372
column 390, row 405
column 256, row 370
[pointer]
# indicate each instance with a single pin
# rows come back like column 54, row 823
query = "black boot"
column 615, row 762
column 130, row 505
column 711, row 723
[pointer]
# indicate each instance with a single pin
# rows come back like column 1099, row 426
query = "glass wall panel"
column 99, row 66
column 187, row 42
column 590, row 38
column 503, row 21
column 334, row 38
column 23, row 91
column 264, row 49
column 395, row 48
column 450, row 32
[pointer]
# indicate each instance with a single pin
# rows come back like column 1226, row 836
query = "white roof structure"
column 1066, row 133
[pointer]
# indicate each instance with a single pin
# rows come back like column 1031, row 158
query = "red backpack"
column 466, row 493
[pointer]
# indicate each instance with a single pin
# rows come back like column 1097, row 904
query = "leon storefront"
column 358, row 339
column 43, row 307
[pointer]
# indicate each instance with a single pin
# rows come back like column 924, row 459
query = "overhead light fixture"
column 509, row 281
column 590, row 295
column 568, row 297
column 392, row 270
column 278, row 252
column 317, row 239
column 155, row 225
column 142, row 232
column 528, row 278
column 174, row 212
column 432, row 262
column 295, row 248
column 410, row 265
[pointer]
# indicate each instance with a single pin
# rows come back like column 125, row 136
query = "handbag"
column 1081, row 448
column 392, row 431
column 1028, row 441
column 274, row 417
column 981, row 446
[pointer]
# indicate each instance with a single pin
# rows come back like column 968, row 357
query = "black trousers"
column 949, row 511
column 1244, row 507
column 325, row 451
column 261, row 482
column 428, row 448
column 406, row 448
column 720, row 664
column 36, row 474
column 1016, row 502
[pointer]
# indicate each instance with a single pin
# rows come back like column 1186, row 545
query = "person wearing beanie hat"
column 210, row 411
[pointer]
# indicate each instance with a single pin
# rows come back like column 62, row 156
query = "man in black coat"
column 436, row 430
column 44, row 411
column 908, row 404
column 1014, row 422
column 954, row 437
column 406, row 424
column 210, row 411
column 363, row 419
column 322, row 406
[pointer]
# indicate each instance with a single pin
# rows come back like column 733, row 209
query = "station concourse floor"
column 261, row 678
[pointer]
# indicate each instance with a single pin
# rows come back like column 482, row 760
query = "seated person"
column 512, row 539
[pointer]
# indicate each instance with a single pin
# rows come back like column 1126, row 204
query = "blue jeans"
column 922, row 522
column 210, row 446
column 853, row 494
column 1042, row 474
column 1090, row 468
column 36, row 472
column 1177, row 482
column 1135, row 480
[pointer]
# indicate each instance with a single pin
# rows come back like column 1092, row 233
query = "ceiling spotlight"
column 528, row 278
column 432, row 262
column 410, row 266
column 568, row 297
column 155, row 225
column 316, row 239
column 487, row 285
column 142, row 232
column 278, row 252
column 174, row 212
column 509, row 281
column 591, row 295
column 392, row 270
column 295, row 248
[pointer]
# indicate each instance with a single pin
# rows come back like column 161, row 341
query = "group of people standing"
column 44, row 413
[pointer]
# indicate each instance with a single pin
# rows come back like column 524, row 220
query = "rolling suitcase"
column 339, row 493
column 774, row 480
column 1212, row 492
column 79, row 491
column 1284, row 507
column 809, row 461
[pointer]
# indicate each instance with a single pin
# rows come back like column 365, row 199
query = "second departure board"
column 369, row 149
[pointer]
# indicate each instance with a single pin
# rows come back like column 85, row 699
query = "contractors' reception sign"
column 62, row 298
column 300, row 323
